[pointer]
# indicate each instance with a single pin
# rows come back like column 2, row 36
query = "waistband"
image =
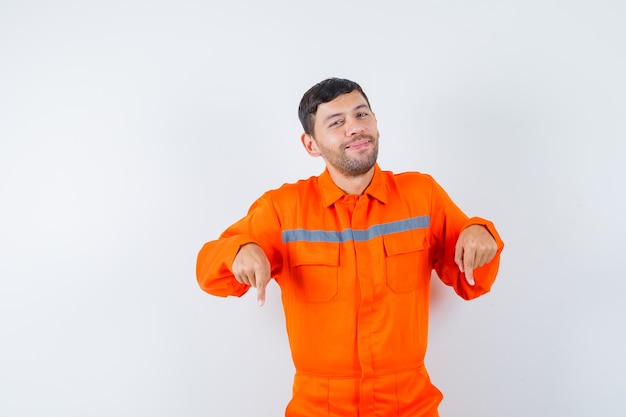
column 360, row 375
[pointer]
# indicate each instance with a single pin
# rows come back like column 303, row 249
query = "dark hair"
column 323, row 92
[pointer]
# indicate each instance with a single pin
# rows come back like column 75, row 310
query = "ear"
column 310, row 145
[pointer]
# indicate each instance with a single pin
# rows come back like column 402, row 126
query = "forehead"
column 342, row 104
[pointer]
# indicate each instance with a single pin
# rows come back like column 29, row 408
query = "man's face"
column 345, row 134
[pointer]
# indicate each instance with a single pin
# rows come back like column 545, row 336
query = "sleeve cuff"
column 490, row 227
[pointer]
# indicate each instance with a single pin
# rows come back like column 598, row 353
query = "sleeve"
column 447, row 222
column 215, row 259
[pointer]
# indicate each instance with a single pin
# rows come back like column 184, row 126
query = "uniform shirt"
column 354, row 273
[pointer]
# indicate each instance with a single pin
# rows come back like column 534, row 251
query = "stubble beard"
column 355, row 167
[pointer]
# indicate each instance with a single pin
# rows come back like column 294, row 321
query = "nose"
column 354, row 128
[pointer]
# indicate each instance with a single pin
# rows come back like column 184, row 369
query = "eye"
column 335, row 123
column 362, row 115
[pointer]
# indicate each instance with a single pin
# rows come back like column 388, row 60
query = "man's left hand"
column 474, row 248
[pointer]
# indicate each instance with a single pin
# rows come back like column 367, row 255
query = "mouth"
column 359, row 144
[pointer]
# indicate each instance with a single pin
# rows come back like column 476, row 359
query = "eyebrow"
column 360, row 106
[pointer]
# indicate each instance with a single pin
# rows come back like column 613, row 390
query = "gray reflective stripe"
column 294, row 235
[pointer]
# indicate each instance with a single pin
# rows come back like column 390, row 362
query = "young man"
column 353, row 251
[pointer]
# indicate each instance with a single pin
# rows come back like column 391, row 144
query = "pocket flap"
column 406, row 242
column 314, row 253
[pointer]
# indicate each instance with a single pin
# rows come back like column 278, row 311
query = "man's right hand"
column 251, row 267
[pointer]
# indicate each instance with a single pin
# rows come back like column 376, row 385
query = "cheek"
column 330, row 141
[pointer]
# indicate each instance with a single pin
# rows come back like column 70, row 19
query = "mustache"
column 359, row 138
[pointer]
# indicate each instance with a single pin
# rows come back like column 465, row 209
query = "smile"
column 359, row 144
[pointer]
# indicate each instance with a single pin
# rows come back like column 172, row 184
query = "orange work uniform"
column 354, row 274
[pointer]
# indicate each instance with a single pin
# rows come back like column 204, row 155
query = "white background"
column 131, row 132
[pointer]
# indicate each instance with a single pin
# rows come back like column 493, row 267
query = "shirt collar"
column 331, row 193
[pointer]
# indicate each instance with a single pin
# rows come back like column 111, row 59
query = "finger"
column 469, row 276
column 263, row 278
column 468, row 266
column 458, row 255
column 261, row 294
column 492, row 253
column 483, row 259
column 241, row 278
column 484, row 256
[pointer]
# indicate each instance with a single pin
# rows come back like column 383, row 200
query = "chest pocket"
column 314, row 270
column 406, row 260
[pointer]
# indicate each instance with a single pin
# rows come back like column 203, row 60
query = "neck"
column 352, row 184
